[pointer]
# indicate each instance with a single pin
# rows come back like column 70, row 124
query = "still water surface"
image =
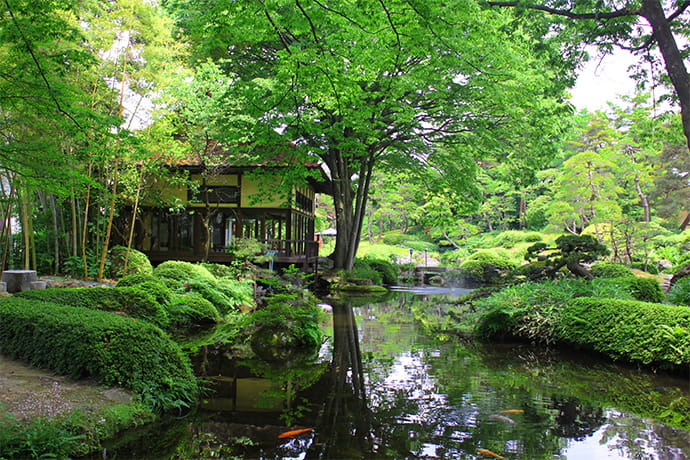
column 380, row 388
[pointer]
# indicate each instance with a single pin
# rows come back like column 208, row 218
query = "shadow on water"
column 381, row 388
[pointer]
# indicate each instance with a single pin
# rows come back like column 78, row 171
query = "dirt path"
column 27, row 393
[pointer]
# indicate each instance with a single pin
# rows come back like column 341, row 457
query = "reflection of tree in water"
column 636, row 438
column 344, row 424
column 574, row 419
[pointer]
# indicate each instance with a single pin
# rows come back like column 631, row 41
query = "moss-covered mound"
column 134, row 301
column 629, row 330
column 115, row 350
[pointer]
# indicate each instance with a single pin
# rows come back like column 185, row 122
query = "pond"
column 381, row 388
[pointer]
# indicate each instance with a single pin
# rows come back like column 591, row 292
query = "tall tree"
column 621, row 23
column 401, row 83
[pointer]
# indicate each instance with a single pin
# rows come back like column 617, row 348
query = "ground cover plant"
column 116, row 350
column 134, row 301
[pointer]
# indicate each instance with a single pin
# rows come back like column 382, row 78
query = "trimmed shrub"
column 629, row 330
column 240, row 292
column 395, row 239
column 532, row 310
column 192, row 309
column 488, row 265
column 512, row 237
column 387, row 272
column 137, row 262
column 680, row 292
column 421, row 246
column 150, row 284
column 649, row 268
column 135, row 278
column 115, row 350
column 610, row 270
column 176, row 273
column 133, row 301
column 220, row 270
column 209, row 291
column 643, row 289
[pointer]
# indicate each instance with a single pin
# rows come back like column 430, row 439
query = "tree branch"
column 568, row 13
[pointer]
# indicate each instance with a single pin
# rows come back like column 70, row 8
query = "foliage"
column 135, row 301
column 532, row 310
column 176, row 273
column 136, row 278
column 610, row 270
column 286, row 320
column 488, row 265
column 209, row 291
column 191, row 309
column 680, row 292
column 629, row 330
column 116, row 350
column 377, row 270
column 358, row 115
column 570, row 251
column 136, row 262
column 72, row 435
column 643, row 289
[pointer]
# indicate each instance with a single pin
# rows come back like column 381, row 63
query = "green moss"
column 629, row 330
column 610, row 270
column 188, row 309
column 136, row 301
column 137, row 262
column 115, row 350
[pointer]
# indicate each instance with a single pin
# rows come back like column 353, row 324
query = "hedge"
column 629, row 330
column 133, row 301
column 115, row 350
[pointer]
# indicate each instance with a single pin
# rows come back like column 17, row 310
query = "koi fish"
column 292, row 434
column 502, row 418
column 490, row 454
column 511, row 411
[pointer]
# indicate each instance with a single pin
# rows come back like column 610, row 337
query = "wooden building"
column 216, row 206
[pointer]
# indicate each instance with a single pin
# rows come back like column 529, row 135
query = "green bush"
column 643, row 289
column 209, row 291
column 115, row 350
column 532, row 310
column 649, row 268
column 133, row 301
column 387, row 271
column 610, row 270
column 176, row 273
column 221, row 271
column 395, row 239
column 240, row 292
column 421, row 246
column 363, row 273
column 134, row 279
column 137, row 262
column 512, row 237
column 148, row 283
column 190, row 309
column 488, row 265
column 629, row 330
column 680, row 292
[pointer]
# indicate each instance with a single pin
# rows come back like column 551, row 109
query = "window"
column 215, row 194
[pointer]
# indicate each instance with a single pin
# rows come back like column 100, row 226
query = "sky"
column 603, row 80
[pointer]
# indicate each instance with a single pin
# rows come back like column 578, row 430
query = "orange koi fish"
column 511, row 411
column 490, row 454
column 292, row 434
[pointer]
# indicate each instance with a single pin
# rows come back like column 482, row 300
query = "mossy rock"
column 137, row 262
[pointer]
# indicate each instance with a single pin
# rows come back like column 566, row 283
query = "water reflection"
column 382, row 389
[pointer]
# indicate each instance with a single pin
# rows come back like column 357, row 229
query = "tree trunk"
column 109, row 227
column 653, row 12
column 24, row 217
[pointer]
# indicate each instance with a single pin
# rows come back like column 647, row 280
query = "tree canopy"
column 399, row 84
